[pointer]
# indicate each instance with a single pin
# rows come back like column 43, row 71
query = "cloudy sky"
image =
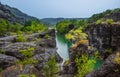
column 62, row 8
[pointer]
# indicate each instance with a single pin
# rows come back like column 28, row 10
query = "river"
column 63, row 45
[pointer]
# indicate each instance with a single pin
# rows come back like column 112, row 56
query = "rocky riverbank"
column 104, row 38
column 43, row 46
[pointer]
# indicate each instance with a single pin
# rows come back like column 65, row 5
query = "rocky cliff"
column 104, row 37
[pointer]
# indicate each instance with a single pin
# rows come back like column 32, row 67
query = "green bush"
column 76, row 34
column 1, row 69
column 84, row 65
column 26, row 75
column 34, row 26
column 27, row 52
column 62, row 27
column 2, row 51
column 27, row 61
column 46, row 36
column 110, row 21
column 99, row 21
column 51, row 68
column 21, row 38
column 4, row 26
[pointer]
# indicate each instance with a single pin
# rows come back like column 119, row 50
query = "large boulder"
column 14, row 48
column 6, row 61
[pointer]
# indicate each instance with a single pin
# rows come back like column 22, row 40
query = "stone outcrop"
column 6, row 61
column 104, row 37
column 115, row 16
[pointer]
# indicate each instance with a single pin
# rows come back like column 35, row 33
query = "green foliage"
column 21, row 38
column 26, row 75
column 51, row 67
column 4, row 26
column 27, row 61
column 82, row 23
column 34, row 26
column 109, row 51
column 84, row 65
column 2, row 51
column 27, row 52
column 99, row 21
column 62, row 27
column 1, row 69
column 76, row 34
column 110, row 21
column 16, row 27
column 46, row 36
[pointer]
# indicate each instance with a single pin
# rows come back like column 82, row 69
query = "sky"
column 62, row 8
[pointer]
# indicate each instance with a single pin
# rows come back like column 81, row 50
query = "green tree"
column 62, row 27
column 4, row 26
column 34, row 26
column 51, row 67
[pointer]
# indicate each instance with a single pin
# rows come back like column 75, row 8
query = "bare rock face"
column 108, row 69
column 114, row 16
column 104, row 37
column 6, row 61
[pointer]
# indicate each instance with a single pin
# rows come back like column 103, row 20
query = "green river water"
column 63, row 45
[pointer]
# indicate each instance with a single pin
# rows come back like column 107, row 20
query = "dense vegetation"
column 32, row 26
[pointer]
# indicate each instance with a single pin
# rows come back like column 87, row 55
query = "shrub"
column 34, row 26
column 26, row 75
column 1, row 69
column 21, row 38
column 84, row 65
column 76, row 34
column 46, row 36
column 2, row 51
column 27, row 52
column 117, row 59
column 51, row 67
column 99, row 21
column 62, row 27
column 109, row 21
column 27, row 61
column 4, row 26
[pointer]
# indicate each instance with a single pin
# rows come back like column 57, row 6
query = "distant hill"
column 13, row 14
column 53, row 21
